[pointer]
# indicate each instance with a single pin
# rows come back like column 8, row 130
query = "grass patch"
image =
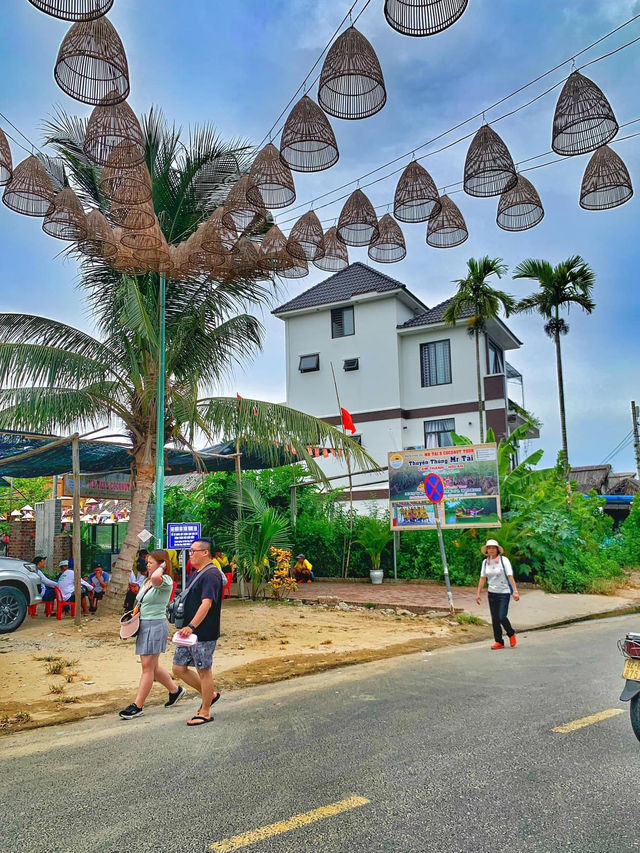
column 55, row 667
column 70, row 663
column 49, row 658
column 368, row 605
column 56, row 689
column 469, row 619
column 71, row 677
column 602, row 586
column 68, row 700
column 7, row 722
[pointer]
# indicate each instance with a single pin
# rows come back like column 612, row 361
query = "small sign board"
column 434, row 488
column 183, row 534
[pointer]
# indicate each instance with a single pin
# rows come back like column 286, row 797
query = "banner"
column 103, row 486
column 471, row 487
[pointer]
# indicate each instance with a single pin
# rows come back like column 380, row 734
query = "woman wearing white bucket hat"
column 497, row 571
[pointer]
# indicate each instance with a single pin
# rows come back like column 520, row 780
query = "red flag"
column 347, row 421
column 239, row 400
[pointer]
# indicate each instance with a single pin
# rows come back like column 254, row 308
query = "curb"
column 588, row 617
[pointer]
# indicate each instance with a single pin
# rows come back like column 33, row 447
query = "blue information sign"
column 183, row 534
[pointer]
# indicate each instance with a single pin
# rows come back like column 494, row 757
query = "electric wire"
column 612, row 455
column 618, row 446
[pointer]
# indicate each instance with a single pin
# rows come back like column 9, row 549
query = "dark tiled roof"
column 341, row 287
column 434, row 315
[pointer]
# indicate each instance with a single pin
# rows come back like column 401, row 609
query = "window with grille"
column 496, row 358
column 435, row 363
column 351, row 364
column 438, row 433
column 342, row 322
column 309, row 363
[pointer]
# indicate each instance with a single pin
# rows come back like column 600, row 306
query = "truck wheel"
column 13, row 609
column 634, row 712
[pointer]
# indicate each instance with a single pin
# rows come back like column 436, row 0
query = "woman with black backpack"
column 497, row 571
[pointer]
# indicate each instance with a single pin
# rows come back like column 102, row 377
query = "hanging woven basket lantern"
column 358, row 223
column 92, row 65
column 155, row 260
column 6, row 161
column 275, row 257
column 125, row 260
column 145, row 238
column 272, row 180
column 299, row 266
column 246, row 260
column 125, row 185
column 100, row 241
column 606, row 182
column 241, row 213
column 215, row 234
column 583, row 120
column 336, row 253
column 29, row 191
column 307, row 238
column 66, row 220
column 351, row 82
column 416, row 197
column 389, row 246
column 520, row 207
column 489, row 168
column 114, row 125
column 74, row 10
column 132, row 217
column 308, row 143
column 448, row 228
column 423, row 17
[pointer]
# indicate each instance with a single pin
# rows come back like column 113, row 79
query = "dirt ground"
column 53, row 672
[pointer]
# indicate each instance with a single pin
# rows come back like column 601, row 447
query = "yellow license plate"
column 631, row 670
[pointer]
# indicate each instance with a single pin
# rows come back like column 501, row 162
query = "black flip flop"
column 213, row 701
column 193, row 725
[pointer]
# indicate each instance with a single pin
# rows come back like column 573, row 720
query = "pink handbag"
column 130, row 621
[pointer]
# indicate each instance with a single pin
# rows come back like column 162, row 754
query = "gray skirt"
column 152, row 637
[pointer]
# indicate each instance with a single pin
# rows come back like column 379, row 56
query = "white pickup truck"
column 19, row 588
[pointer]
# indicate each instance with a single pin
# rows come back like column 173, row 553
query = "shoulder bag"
column 175, row 608
column 506, row 576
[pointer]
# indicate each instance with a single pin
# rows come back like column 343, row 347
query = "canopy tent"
column 4, row 484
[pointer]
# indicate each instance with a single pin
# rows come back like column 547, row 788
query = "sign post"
column 182, row 535
column 434, row 490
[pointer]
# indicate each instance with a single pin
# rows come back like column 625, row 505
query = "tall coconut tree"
column 477, row 301
column 54, row 377
column 568, row 283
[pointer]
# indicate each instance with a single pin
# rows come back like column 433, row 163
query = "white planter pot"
column 376, row 575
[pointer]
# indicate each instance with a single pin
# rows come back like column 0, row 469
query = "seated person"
column 302, row 569
column 48, row 585
column 98, row 580
column 66, row 585
column 137, row 577
column 223, row 560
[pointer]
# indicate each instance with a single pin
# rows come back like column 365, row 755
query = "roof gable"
column 434, row 315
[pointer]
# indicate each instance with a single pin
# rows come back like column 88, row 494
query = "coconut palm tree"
column 479, row 302
column 54, row 377
column 568, row 283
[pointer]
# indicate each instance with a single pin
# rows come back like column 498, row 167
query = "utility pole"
column 636, row 438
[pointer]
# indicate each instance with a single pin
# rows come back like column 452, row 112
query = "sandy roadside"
column 96, row 673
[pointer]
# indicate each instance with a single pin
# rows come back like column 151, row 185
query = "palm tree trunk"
column 563, row 420
column 479, row 379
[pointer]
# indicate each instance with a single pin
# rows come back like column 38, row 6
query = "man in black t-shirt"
column 202, row 617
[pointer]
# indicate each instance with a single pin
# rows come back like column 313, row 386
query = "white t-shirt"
column 493, row 572
column 66, row 584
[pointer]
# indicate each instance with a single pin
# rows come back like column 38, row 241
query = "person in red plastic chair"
column 48, row 585
column 99, row 580
column 303, row 570
column 66, row 585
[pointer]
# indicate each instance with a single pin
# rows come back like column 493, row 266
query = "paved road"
column 454, row 750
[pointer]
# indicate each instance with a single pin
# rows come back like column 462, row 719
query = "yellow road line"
column 247, row 838
column 588, row 721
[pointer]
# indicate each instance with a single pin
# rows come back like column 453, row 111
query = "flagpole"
column 348, row 460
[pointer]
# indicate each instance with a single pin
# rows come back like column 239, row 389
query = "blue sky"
column 237, row 64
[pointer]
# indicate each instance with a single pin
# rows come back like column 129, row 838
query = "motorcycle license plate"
column 631, row 670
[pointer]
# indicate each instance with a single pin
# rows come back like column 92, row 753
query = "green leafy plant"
column 374, row 535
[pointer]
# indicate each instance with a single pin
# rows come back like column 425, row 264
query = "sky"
column 237, row 64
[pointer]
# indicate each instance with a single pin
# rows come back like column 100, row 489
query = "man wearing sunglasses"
column 202, row 617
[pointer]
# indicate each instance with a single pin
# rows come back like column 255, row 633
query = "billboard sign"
column 102, row 486
column 182, row 535
column 471, row 487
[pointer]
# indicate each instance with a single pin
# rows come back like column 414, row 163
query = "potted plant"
column 374, row 535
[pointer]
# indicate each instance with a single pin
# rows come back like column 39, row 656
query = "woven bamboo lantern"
column 299, row 266
column 583, row 120
column 489, row 168
column 246, row 260
column 125, row 260
column 447, row 228
column 29, row 191
column 351, row 82
column 520, row 207
column 416, row 197
column 132, row 217
column 74, row 10
column 92, row 65
column 306, row 238
column 216, row 234
column 155, row 260
column 100, row 241
column 125, row 186
column 389, row 246
column 272, row 180
column 336, row 253
column 606, row 182
column 423, row 17
column 6, row 161
column 144, row 238
column 241, row 213
column 66, row 220
column 358, row 223
column 114, row 125
column 275, row 257
column 308, row 143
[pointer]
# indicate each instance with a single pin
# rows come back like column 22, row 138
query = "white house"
column 407, row 379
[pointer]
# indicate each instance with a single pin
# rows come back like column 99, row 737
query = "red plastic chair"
column 226, row 589
column 32, row 609
column 173, row 591
column 60, row 603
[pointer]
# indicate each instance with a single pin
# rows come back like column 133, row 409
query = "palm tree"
column 569, row 283
column 54, row 377
column 477, row 298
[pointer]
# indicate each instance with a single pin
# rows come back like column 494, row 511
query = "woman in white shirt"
column 497, row 571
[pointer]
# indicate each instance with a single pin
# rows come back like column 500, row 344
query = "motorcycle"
column 630, row 649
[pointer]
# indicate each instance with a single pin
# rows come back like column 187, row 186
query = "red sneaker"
column 512, row 640
column 498, row 646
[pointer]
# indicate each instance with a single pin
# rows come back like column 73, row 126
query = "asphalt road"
column 453, row 750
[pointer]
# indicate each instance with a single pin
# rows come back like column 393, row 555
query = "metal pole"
column 443, row 555
column 183, row 566
column 396, row 543
column 160, row 404
column 636, row 438
column 77, row 551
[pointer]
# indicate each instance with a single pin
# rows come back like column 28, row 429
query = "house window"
column 309, row 363
column 438, row 433
column 496, row 358
column 435, row 363
column 357, row 438
column 351, row 364
column 342, row 322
